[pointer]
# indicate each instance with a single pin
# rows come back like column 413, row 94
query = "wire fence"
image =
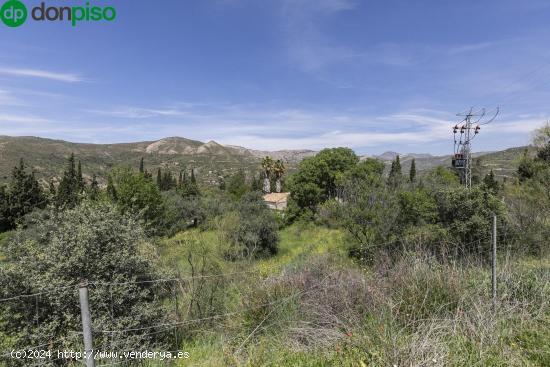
column 478, row 249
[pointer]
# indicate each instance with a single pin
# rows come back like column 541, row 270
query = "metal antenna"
column 468, row 130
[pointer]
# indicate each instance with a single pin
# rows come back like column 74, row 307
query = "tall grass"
column 312, row 306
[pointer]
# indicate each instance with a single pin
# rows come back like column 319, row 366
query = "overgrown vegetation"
column 364, row 268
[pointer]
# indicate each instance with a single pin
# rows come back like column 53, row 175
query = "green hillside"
column 47, row 157
column 504, row 163
column 210, row 160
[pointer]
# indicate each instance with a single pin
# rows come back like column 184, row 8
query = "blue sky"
column 281, row 74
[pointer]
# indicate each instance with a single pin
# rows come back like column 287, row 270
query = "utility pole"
column 494, row 262
column 468, row 130
column 86, row 324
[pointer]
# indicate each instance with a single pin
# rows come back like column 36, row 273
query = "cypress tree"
column 94, row 188
column 52, row 192
column 412, row 173
column 180, row 180
column 79, row 178
column 69, row 187
column 159, row 178
column 111, row 190
column 141, row 166
column 395, row 176
column 4, row 209
column 491, row 183
column 23, row 196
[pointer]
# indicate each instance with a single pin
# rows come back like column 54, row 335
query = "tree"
column 111, row 190
column 68, row 192
column 395, row 176
column 369, row 170
column 4, row 209
column 159, row 178
column 278, row 170
column 256, row 184
column 267, row 166
column 189, row 187
column 369, row 214
column 319, row 177
column 136, row 195
column 52, row 191
column 417, row 208
column 468, row 213
column 490, row 183
column 527, row 167
column 237, row 186
column 165, row 180
column 256, row 231
column 440, row 177
column 182, row 212
column 141, row 166
column 542, row 141
column 22, row 196
column 94, row 188
column 80, row 178
column 92, row 242
column 412, row 172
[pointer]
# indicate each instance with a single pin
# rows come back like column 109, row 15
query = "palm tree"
column 279, row 170
column 267, row 166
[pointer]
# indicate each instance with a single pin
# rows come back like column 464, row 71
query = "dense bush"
column 94, row 243
column 136, row 194
column 253, row 233
column 317, row 177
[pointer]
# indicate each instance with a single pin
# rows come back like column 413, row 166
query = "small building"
column 277, row 200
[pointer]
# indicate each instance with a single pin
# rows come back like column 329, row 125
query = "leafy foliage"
column 396, row 176
column 254, row 231
column 92, row 242
column 71, row 185
column 137, row 195
column 237, row 186
column 318, row 177
column 21, row 197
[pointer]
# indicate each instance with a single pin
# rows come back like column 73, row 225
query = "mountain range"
column 211, row 160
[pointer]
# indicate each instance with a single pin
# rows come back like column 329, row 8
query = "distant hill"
column 210, row 160
column 288, row 156
column 503, row 163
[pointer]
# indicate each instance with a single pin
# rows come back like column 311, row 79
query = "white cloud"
column 8, row 99
column 139, row 112
column 22, row 119
column 43, row 74
column 458, row 49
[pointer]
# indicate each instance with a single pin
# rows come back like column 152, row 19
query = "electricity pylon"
column 468, row 129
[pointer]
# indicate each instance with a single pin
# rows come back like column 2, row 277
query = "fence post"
column 86, row 324
column 494, row 262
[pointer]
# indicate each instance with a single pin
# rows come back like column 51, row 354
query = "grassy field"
column 310, row 305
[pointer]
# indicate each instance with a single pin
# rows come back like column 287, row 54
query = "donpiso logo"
column 13, row 13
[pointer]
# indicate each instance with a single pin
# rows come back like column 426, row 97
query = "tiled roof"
column 276, row 197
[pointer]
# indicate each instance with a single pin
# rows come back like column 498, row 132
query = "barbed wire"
column 187, row 322
column 153, row 281
column 39, row 293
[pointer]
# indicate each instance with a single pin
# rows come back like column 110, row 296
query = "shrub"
column 255, row 234
column 138, row 195
column 91, row 242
